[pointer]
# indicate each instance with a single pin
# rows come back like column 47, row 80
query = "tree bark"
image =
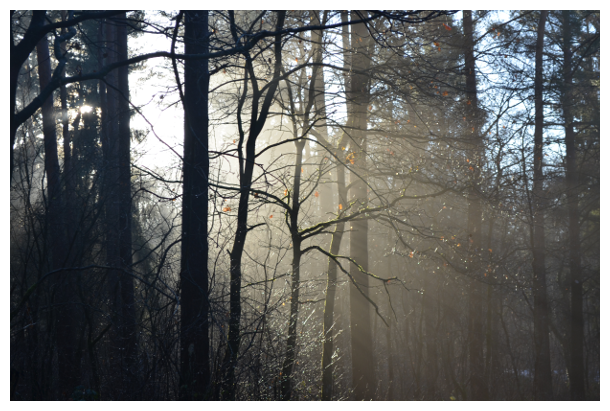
column 363, row 370
column 194, row 342
column 128, row 318
column 258, row 120
column 543, row 389
column 69, row 370
column 576, row 328
column 335, row 245
column 478, row 386
column 288, row 365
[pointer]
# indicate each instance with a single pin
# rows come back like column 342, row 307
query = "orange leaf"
column 302, row 170
column 411, row 254
column 446, row 27
column 459, row 244
column 227, row 208
column 490, row 250
column 286, row 192
column 316, row 194
column 271, row 216
column 340, row 206
column 445, row 93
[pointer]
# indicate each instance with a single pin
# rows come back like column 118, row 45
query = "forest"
column 305, row 205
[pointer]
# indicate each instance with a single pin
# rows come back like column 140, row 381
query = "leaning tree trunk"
column 194, row 342
column 475, row 305
column 543, row 389
column 576, row 325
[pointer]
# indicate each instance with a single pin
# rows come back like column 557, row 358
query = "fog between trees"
column 352, row 205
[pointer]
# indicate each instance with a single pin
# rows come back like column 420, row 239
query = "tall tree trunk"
column 321, row 127
column 288, row 365
column 576, row 326
column 110, row 142
column 19, row 54
column 331, row 290
column 194, row 342
column 363, row 370
column 475, row 305
column 257, row 123
column 128, row 320
column 335, row 245
column 67, row 173
column 69, row 370
column 543, row 389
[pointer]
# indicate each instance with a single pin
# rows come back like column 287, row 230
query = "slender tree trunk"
column 335, row 246
column 67, row 173
column 543, row 389
column 576, row 328
column 69, row 370
column 111, row 197
column 128, row 320
column 327, row 205
column 288, row 365
column 475, row 306
column 329, row 300
column 194, row 342
column 363, row 370
column 19, row 54
column 246, row 172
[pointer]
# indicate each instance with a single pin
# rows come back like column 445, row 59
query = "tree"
column 194, row 343
column 363, row 375
column 542, row 376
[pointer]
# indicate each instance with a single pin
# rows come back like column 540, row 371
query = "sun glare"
column 86, row 109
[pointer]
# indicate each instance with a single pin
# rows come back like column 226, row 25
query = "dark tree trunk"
column 288, row 365
column 257, row 122
column 475, row 306
column 543, row 389
column 335, row 245
column 331, row 290
column 69, row 370
column 194, row 342
column 363, row 370
column 576, row 327
column 128, row 321
column 111, row 198
column 19, row 54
